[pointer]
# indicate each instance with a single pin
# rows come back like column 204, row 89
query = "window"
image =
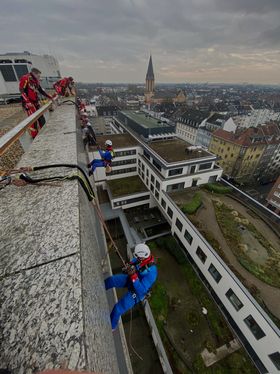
column 20, row 70
column 157, row 185
column 8, row 73
column 201, row 255
column 157, row 165
column 214, row 272
column 275, row 358
column 157, row 194
column 254, row 327
column 152, row 179
column 175, row 172
column 169, row 212
column 163, row 203
column 205, row 166
column 152, row 187
column 192, row 171
column 146, row 154
column 179, row 224
column 234, row 299
column 143, row 167
column 188, row 237
column 147, row 172
column 139, row 161
column 175, row 187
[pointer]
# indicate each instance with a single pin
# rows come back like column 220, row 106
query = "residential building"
column 257, row 116
column 214, row 122
column 239, row 153
column 273, row 198
column 188, row 123
column 14, row 65
column 268, row 168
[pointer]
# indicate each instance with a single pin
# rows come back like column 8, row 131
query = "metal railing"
column 13, row 135
column 266, row 211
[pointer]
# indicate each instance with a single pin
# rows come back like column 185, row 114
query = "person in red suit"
column 64, row 86
column 30, row 88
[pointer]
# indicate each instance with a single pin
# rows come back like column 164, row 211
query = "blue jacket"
column 106, row 155
column 143, row 280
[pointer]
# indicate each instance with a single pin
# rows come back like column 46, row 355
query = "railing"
column 13, row 135
column 267, row 212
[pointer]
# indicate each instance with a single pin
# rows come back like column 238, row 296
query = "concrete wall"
column 54, row 311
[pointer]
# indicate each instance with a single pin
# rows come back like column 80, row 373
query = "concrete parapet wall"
column 54, row 311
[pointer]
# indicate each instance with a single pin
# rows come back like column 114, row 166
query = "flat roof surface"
column 126, row 186
column 175, row 150
column 144, row 120
column 119, row 140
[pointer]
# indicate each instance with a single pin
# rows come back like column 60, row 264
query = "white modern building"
column 14, row 65
column 154, row 170
column 257, row 117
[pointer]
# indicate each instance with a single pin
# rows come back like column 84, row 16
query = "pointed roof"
column 150, row 71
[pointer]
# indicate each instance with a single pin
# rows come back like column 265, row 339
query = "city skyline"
column 190, row 41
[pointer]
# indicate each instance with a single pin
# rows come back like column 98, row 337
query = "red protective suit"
column 30, row 88
column 62, row 85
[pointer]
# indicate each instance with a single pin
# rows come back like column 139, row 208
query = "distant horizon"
column 111, row 41
column 186, row 83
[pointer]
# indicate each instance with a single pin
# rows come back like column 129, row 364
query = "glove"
column 28, row 105
column 129, row 269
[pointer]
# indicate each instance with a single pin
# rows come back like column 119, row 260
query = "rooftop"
column 119, row 140
column 175, row 150
column 144, row 120
column 126, row 186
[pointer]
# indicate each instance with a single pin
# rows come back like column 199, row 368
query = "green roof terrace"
column 126, row 186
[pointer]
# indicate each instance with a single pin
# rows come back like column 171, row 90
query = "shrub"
column 193, row 205
column 217, row 188
column 172, row 247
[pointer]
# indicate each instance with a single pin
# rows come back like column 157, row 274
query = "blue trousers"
column 97, row 164
column 126, row 302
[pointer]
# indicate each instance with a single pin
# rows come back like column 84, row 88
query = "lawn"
column 177, row 300
column 126, row 186
column 230, row 226
column 217, row 188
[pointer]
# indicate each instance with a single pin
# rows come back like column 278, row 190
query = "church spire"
column 150, row 71
column 150, row 78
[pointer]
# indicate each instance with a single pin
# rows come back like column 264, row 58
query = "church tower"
column 150, row 78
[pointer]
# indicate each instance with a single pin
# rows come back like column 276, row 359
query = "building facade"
column 188, row 124
column 14, row 65
column 239, row 154
column 273, row 198
column 214, row 122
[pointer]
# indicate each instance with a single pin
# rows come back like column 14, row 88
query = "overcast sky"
column 110, row 40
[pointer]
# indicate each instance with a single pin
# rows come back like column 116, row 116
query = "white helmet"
column 142, row 251
column 108, row 142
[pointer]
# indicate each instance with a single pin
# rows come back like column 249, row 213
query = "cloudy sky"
column 110, row 40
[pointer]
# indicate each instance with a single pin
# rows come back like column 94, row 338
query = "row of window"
column 231, row 296
column 122, row 171
column 125, row 153
column 131, row 201
column 124, row 162
column 8, row 72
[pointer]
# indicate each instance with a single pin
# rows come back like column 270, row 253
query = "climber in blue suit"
column 141, row 275
column 106, row 157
